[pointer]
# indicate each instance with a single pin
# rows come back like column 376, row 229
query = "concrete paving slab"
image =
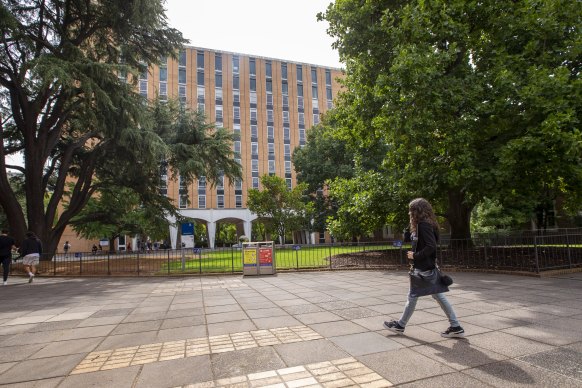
column 64, row 348
column 43, row 368
column 512, row 373
column 270, row 323
column 365, row 343
column 230, row 327
column 459, row 355
column 183, row 322
column 246, row 361
column 175, row 372
column 449, row 380
column 44, row 383
column 508, row 345
column 404, row 365
column 137, row 327
column 567, row 362
column 334, row 329
column 301, row 353
column 324, row 316
column 124, row 377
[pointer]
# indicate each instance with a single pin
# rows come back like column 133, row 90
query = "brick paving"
column 320, row 329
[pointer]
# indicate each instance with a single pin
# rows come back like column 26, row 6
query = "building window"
column 238, row 184
column 254, row 114
column 313, row 75
column 302, row 118
column 238, row 201
column 236, row 128
column 253, row 85
column 269, row 99
column 288, row 167
column 270, row 116
column 289, row 183
column 254, row 131
column 302, row 135
column 252, row 66
column 271, row 166
column 218, row 80
column 235, row 82
column 200, row 59
column 220, row 201
column 236, row 96
column 286, row 134
column 182, row 92
column 200, row 93
column 183, row 201
column 182, row 75
column 284, row 71
column 237, row 146
column 255, row 183
column 236, row 112
column 143, row 83
column 182, row 58
column 253, row 97
column 299, row 73
column 285, row 100
column 269, row 86
column 284, row 88
column 163, row 91
column 314, row 91
column 315, row 118
column 254, row 148
column 300, row 102
column 287, row 149
column 271, row 148
column 328, row 94
column 218, row 113
column 217, row 62
column 270, row 132
column 235, row 63
column 254, row 165
column 218, row 95
column 315, row 103
column 285, row 117
column 201, row 107
column 328, row 77
column 202, row 201
column 268, row 69
column 200, row 78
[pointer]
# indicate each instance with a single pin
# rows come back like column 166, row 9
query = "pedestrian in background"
column 7, row 245
column 425, row 236
column 31, row 250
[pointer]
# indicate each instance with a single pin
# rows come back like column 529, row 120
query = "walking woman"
column 425, row 235
column 31, row 250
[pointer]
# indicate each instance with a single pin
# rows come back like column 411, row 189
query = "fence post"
column 80, row 264
column 568, row 250
column 485, row 253
column 138, row 264
column 183, row 261
column 168, row 261
column 536, row 254
column 200, row 260
column 330, row 267
column 297, row 258
column 108, row 264
column 55, row 265
column 232, row 258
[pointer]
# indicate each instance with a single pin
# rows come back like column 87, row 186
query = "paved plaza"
column 288, row 330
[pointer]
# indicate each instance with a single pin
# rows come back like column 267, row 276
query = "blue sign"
column 197, row 251
column 296, row 247
column 188, row 229
column 78, row 255
column 397, row 243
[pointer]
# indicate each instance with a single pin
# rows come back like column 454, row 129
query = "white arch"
column 211, row 217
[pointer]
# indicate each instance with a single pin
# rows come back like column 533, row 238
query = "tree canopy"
column 67, row 107
column 473, row 99
column 285, row 208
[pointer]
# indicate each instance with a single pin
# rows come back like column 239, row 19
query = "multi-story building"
column 268, row 103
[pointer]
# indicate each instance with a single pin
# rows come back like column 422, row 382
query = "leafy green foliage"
column 473, row 99
column 283, row 207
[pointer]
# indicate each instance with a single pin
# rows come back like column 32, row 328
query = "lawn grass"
column 229, row 260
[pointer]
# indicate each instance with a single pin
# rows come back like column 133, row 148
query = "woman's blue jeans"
column 442, row 301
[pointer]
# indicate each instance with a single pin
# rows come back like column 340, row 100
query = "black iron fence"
column 527, row 252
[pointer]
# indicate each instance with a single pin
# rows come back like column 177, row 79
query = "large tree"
column 473, row 99
column 284, row 208
column 65, row 108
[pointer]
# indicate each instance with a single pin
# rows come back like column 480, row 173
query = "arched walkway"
column 211, row 217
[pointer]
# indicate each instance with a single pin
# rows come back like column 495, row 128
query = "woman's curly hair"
column 420, row 210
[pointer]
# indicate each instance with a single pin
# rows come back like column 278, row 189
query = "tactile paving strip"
column 347, row 372
column 145, row 354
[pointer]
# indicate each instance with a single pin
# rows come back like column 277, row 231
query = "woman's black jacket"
column 426, row 246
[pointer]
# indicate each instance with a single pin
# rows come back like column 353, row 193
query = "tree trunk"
column 459, row 217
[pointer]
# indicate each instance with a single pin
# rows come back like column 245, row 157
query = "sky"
column 277, row 29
